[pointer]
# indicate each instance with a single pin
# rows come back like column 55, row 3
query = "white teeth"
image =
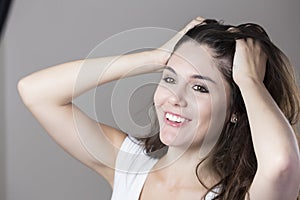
column 174, row 118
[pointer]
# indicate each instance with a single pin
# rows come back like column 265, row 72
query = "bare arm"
column 275, row 144
column 48, row 95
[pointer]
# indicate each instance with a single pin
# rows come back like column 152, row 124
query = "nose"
column 177, row 99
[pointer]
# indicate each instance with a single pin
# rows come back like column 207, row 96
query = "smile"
column 175, row 120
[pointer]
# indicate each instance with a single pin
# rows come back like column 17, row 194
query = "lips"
column 174, row 119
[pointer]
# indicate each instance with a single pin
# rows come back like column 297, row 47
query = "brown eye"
column 200, row 88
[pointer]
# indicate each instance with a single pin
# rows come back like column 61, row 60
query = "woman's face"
column 191, row 99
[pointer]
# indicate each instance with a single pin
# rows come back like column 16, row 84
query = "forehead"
column 193, row 58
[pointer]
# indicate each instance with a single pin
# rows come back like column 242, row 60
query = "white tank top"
column 132, row 168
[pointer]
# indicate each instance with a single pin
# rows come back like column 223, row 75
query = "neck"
column 178, row 168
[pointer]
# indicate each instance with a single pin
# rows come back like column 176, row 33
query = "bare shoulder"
column 105, row 152
column 94, row 144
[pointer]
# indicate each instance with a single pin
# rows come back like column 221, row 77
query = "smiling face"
column 191, row 99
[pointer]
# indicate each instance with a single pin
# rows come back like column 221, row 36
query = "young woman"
column 227, row 107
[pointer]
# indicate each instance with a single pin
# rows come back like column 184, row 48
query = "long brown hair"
column 233, row 158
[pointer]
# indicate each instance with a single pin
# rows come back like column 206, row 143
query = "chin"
column 174, row 141
column 165, row 140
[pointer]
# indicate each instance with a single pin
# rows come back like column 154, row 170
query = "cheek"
column 221, row 105
column 216, row 114
column 160, row 95
column 157, row 96
column 204, row 110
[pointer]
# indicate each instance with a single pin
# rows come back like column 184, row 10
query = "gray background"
column 43, row 33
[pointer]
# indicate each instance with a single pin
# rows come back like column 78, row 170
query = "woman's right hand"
column 165, row 50
column 80, row 135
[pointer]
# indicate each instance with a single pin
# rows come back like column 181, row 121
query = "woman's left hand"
column 249, row 62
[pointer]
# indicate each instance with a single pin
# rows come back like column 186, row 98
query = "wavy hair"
column 233, row 158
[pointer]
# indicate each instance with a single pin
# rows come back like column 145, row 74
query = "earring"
column 233, row 118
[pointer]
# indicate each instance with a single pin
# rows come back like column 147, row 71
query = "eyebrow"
column 196, row 76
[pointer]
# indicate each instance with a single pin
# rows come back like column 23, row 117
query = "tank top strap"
column 131, row 170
